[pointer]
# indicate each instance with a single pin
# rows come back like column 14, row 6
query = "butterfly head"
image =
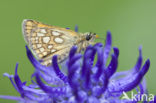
column 90, row 36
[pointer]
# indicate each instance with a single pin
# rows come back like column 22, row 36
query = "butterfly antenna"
column 101, row 38
column 97, row 37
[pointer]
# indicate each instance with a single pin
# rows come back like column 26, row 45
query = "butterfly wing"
column 46, row 41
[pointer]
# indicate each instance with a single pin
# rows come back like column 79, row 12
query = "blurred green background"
column 132, row 23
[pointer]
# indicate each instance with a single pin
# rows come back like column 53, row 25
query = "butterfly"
column 45, row 41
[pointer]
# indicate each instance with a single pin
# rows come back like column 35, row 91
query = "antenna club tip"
column 97, row 36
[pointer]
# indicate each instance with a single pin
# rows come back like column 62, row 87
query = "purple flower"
column 82, row 78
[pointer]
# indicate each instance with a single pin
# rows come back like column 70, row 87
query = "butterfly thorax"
column 84, row 40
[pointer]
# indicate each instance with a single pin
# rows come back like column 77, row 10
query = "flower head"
column 81, row 78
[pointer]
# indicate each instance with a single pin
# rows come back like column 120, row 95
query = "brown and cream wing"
column 29, row 25
column 46, row 41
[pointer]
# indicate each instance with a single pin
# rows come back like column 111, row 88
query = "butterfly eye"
column 88, row 37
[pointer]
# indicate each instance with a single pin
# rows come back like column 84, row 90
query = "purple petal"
column 116, row 51
column 131, row 72
column 11, row 80
column 139, row 61
column 57, row 70
column 18, row 82
column 105, row 80
column 86, row 67
column 107, row 48
column 99, row 63
column 52, row 80
column 74, row 59
column 50, row 90
column 145, row 68
column 71, row 75
column 72, row 51
column 12, row 98
column 37, row 64
column 76, row 28
column 131, row 82
column 111, row 69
